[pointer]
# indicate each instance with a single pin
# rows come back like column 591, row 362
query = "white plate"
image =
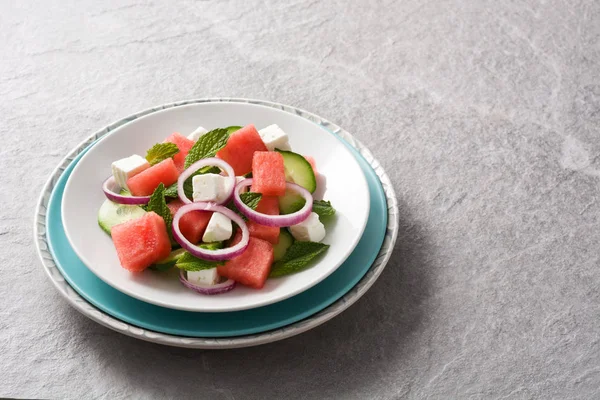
column 345, row 187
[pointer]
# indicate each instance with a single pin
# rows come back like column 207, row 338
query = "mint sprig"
column 207, row 146
column 188, row 262
column 158, row 204
column 297, row 258
column 251, row 199
column 171, row 191
column 323, row 208
column 212, row 245
column 160, row 152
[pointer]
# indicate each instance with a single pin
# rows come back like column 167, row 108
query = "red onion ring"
column 109, row 186
column 274, row 220
column 219, row 288
column 217, row 162
column 211, row 255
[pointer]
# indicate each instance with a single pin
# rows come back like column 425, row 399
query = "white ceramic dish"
column 344, row 185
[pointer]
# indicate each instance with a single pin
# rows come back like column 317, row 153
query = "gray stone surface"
column 486, row 115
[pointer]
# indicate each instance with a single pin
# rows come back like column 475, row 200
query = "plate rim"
column 75, row 300
column 231, row 305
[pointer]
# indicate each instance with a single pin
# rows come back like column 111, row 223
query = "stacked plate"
column 82, row 264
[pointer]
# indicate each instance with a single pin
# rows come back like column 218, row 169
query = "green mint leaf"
column 162, row 267
column 323, row 208
column 233, row 128
column 251, row 199
column 158, row 204
column 171, row 191
column 207, row 146
column 188, row 189
column 188, row 262
column 297, row 258
column 212, row 245
column 160, row 152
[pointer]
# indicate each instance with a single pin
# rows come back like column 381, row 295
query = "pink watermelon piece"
column 141, row 242
column 144, row 183
column 267, row 205
column 184, row 145
column 252, row 267
column 268, row 173
column 240, row 149
column 192, row 224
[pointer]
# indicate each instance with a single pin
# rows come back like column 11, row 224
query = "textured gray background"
column 486, row 115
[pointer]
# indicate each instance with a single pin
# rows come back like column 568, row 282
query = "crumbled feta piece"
column 199, row 132
column 309, row 230
column 204, row 277
column 275, row 138
column 125, row 168
column 238, row 179
column 219, row 228
column 209, row 187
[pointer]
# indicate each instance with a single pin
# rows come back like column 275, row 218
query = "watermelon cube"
column 184, row 145
column 252, row 267
column 141, row 242
column 268, row 205
column 192, row 224
column 268, row 173
column 240, row 149
column 144, row 183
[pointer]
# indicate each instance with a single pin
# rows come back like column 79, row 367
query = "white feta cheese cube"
column 125, row 168
column 275, row 138
column 204, row 277
column 309, row 230
column 209, row 187
column 219, row 228
column 197, row 134
column 238, row 179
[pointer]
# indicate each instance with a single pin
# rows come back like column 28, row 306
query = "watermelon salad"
column 226, row 206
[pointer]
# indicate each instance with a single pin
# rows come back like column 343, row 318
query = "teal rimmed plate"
column 282, row 319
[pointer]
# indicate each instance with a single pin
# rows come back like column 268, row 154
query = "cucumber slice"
column 168, row 262
column 111, row 214
column 290, row 202
column 298, row 170
column 285, row 241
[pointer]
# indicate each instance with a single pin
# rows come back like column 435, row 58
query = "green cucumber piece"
column 298, row 170
column 233, row 128
column 168, row 262
column 290, row 202
column 285, row 241
column 111, row 214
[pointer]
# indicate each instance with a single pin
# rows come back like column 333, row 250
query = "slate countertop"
column 486, row 115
